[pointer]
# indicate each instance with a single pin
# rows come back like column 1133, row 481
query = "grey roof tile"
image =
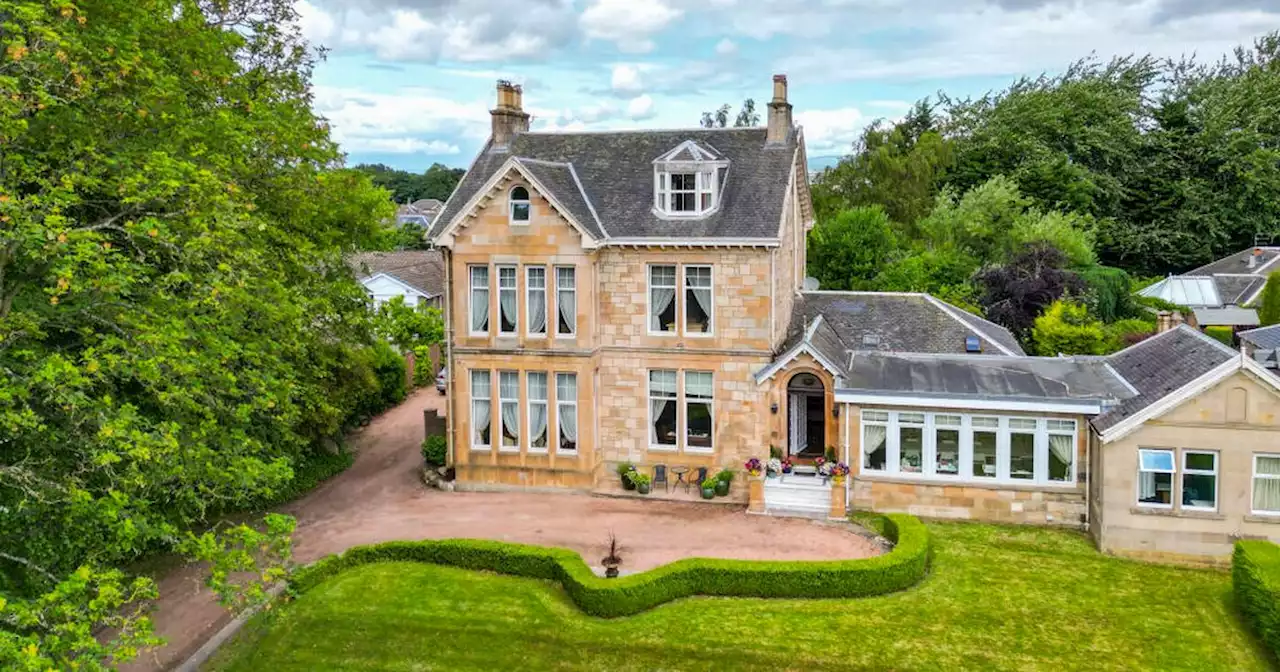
column 1265, row 338
column 987, row 377
column 562, row 183
column 422, row 270
column 616, row 173
column 1160, row 365
column 1236, row 289
column 1239, row 263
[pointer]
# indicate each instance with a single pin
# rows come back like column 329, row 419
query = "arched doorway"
column 806, row 417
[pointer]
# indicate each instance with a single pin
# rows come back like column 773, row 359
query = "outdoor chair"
column 660, row 476
column 699, row 478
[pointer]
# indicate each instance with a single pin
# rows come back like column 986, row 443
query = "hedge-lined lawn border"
column 896, row 570
column 1255, row 580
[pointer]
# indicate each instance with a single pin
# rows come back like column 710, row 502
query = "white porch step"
column 797, row 494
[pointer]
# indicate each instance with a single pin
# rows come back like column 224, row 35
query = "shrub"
column 1224, row 334
column 625, row 468
column 899, row 569
column 435, row 450
column 388, row 366
column 1255, row 579
column 1068, row 328
column 725, row 475
column 1269, row 304
column 1124, row 333
column 309, row 471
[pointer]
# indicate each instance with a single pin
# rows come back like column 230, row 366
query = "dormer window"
column 519, row 205
column 687, row 181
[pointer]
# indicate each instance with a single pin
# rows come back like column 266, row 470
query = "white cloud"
column 726, row 47
column 628, row 23
column 641, row 107
column 625, row 79
column 830, row 132
column 406, row 121
column 401, row 146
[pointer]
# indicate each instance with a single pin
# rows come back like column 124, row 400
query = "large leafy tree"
column 437, row 182
column 848, row 250
column 747, row 116
column 175, row 318
column 1015, row 293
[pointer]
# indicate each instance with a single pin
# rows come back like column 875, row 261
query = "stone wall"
column 996, row 504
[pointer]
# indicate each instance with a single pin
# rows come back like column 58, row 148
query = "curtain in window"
column 662, row 384
column 538, row 422
column 507, row 301
column 656, row 408
column 509, row 391
column 480, row 309
column 537, row 301
column 568, row 308
column 567, row 300
column 480, row 405
column 873, row 438
column 1266, row 491
column 703, row 299
column 569, row 423
column 537, row 409
column 1146, row 486
column 1061, row 445
column 661, row 301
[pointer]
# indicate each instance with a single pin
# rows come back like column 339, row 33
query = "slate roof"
column 561, row 181
column 1238, row 263
column 1264, row 338
column 896, row 322
column 422, row 270
column 1237, row 289
column 1230, row 316
column 1160, row 365
column 987, row 377
column 615, row 174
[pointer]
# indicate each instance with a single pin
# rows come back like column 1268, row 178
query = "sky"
column 409, row 82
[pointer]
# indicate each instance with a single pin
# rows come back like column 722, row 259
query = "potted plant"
column 754, row 467
column 613, row 560
column 786, row 465
column 641, row 481
column 775, row 467
column 709, row 488
column 624, row 470
column 723, row 479
column 839, row 471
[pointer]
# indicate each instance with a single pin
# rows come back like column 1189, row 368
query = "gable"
column 489, row 230
column 1239, row 399
column 383, row 286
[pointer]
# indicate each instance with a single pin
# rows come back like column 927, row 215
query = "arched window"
column 519, row 200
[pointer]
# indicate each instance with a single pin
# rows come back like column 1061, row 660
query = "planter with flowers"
column 723, row 479
column 775, row 467
column 641, row 481
column 754, row 467
column 839, row 504
column 824, row 468
column 786, row 465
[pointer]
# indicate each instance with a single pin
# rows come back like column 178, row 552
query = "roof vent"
column 972, row 344
column 871, row 339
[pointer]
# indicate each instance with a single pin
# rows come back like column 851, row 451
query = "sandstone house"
column 640, row 296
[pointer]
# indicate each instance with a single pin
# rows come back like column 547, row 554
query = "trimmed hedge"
column 899, row 569
column 1255, row 579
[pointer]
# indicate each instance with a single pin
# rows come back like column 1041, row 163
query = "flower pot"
column 627, row 484
column 611, row 571
column 643, row 488
column 722, row 488
column 708, row 492
column 786, row 469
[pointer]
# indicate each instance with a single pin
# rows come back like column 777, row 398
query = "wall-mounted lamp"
column 835, row 411
column 773, row 408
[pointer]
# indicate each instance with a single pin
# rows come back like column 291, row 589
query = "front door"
column 807, row 428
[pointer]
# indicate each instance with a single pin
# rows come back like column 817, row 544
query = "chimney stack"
column 1253, row 258
column 779, row 128
column 509, row 117
column 1164, row 321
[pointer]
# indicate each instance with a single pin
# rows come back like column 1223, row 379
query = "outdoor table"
column 679, row 472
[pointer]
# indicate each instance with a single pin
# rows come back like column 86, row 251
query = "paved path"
column 381, row 498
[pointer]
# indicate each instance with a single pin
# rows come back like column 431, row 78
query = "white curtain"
column 661, row 300
column 537, row 311
column 1061, row 444
column 538, row 423
column 569, row 423
column 509, row 393
column 656, row 408
column 1146, row 485
column 507, row 297
column 511, row 419
column 479, row 310
column 569, row 308
column 480, row 420
column 873, row 438
column 1266, row 491
column 703, row 299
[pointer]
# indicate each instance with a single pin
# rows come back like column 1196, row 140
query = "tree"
column 747, row 116
column 848, row 251
column 178, row 331
column 1269, row 306
column 1067, row 328
column 437, row 182
column 1015, row 293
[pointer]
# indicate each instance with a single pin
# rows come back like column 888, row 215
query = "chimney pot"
column 779, row 128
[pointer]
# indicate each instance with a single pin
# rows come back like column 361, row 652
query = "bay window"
column 567, row 411
column 479, row 300
column 662, row 299
column 536, row 393
column 481, row 399
column 958, row 446
column 508, row 302
column 662, row 409
column 536, row 300
column 699, row 410
column 1266, row 484
column 566, row 301
column 509, row 409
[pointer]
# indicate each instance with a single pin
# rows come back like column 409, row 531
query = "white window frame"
column 471, row 301
column 573, row 274
column 706, row 183
column 1057, row 427
column 683, row 419
column 503, row 402
column 514, row 289
column 648, row 299
column 683, row 297
column 648, row 402
column 892, row 420
column 530, row 402
column 512, row 202
column 529, row 289
column 489, row 399
column 1253, row 483
column 1187, row 471
column 1173, row 479
column 562, row 403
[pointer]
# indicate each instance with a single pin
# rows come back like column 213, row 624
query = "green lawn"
column 1007, row 598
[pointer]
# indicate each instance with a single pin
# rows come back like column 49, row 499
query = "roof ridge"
column 1250, row 331
column 859, row 292
column 623, row 131
column 949, row 310
column 587, row 199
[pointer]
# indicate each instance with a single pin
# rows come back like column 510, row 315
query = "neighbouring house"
column 415, row 275
column 1223, row 292
column 640, row 296
column 422, row 212
column 1263, row 344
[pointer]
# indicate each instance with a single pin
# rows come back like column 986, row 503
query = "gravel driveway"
column 381, row 498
